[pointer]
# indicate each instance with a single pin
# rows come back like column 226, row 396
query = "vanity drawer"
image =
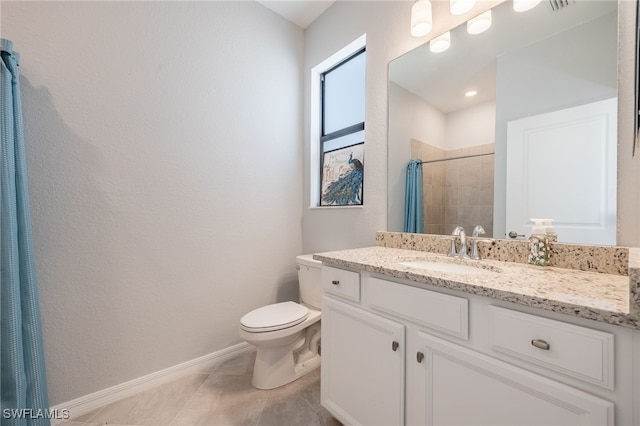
column 437, row 311
column 569, row 349
column 339, row 282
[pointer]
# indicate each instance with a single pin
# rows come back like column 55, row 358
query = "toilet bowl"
column 287, row 334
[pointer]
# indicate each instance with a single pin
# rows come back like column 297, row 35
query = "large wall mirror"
column 538, row 138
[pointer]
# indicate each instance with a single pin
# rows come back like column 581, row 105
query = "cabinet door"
column 463, row 387
column 362, row 365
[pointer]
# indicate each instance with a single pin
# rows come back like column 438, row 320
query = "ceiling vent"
column 557, row 5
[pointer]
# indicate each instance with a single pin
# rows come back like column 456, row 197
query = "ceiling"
column 300, row 12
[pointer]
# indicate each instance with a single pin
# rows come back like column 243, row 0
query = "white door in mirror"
column 541, row 150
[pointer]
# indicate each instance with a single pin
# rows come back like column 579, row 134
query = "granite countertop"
column 609, row 298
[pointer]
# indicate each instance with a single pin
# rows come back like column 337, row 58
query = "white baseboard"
column 93, row 401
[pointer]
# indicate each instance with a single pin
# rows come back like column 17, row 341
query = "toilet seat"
column 274, row 317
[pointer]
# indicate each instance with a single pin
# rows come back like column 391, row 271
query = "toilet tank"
column 309, row 280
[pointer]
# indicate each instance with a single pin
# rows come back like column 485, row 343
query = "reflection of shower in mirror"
column 519, row 68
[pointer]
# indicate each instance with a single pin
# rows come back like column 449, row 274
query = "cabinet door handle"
column 541, row 344
column 335, row 282
column 394, row 346
column 419, row 357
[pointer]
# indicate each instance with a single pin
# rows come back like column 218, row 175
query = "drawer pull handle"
column 335, row 282
column 419, row 357
column 541, row 344
column 394, row 346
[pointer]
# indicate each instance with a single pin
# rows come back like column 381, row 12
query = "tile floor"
column 220, row 397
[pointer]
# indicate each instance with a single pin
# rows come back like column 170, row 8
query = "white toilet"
column 287, row 334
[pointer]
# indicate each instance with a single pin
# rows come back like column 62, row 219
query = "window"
column 340, row 148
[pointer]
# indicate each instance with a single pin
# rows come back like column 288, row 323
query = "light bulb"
column 458, row 7
column 524, row 5
column 421, row 18
column 480, row 23
column 440, row 43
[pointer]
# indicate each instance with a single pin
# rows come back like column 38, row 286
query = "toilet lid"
column 274, row 317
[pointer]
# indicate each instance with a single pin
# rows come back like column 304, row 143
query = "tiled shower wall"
column 456, row 192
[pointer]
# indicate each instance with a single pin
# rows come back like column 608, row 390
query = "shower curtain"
column 413, row 215
column 23, row 385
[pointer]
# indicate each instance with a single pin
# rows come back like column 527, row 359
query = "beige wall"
column 456, row 191
column 628, row 165
column 163, row 148
column 160, row 163
column 386, row 24
column 387, row 28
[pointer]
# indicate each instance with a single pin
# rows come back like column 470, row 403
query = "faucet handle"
column 478, row 230
column 452, row 248
column 475, row 255
column 458, row 230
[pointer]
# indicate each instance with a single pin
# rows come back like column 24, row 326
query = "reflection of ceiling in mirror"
column 441, row 79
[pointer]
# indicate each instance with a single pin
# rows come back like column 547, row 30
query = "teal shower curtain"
column 413, row 210
column 23, row 385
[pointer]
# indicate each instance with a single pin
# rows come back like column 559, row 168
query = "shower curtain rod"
column 456, row 158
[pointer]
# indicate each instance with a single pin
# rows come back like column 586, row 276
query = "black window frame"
column 354, row 128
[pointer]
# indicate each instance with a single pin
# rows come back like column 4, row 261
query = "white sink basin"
column 454, row 268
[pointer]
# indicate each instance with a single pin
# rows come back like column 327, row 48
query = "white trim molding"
column 93, row 401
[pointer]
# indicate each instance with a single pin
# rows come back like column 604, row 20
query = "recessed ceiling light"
column 524, row 5
column 440, row 43
column 471, row 93
column 458, row 7
column 480, row 23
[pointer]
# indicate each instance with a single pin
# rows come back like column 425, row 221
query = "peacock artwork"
column 342, row 176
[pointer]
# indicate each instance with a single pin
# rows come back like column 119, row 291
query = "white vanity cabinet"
column 362, row 365
column 394, row 353
column 362, row 356
column 460, row 386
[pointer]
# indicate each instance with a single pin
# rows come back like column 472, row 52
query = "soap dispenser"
column 539, row 250
column 549, row 229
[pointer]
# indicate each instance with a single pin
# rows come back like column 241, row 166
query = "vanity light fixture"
column 440, row 43
column 421, row 18
column 458, row 7
column 480, row 23
column 524, row 5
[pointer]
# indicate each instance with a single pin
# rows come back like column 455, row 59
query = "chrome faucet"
column 462, row 252
column 478, row 230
